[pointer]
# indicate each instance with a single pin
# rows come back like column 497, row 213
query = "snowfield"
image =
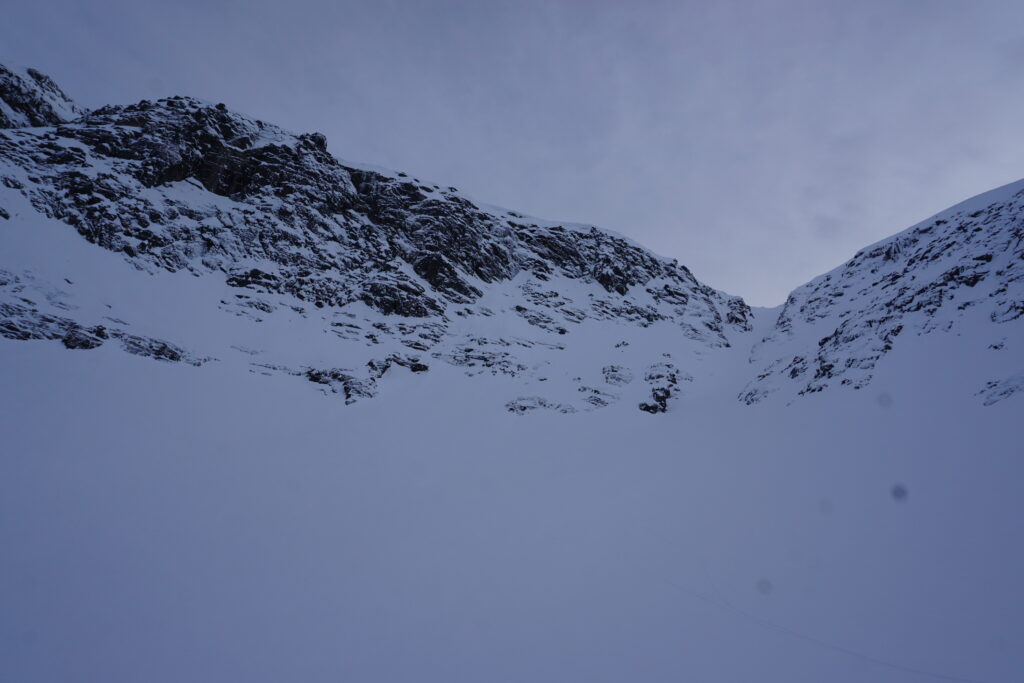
column 164, row 522
column 269, row 417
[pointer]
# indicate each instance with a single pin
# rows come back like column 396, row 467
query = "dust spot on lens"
column 764, row 587
column 899, row 492
column 884, row 399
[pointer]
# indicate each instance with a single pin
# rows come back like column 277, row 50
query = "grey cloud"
column 759, row 143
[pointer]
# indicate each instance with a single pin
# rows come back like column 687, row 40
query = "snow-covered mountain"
column 30, row 98
column 268, row 416
column 377, row 270
column 960, row 272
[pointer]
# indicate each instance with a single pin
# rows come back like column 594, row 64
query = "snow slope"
column 165, row 522
column 961, row 273
column 397, row 272
column 378, row 270
column 196, row 309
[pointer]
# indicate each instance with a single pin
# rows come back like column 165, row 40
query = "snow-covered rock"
column 31, row 98
column 380, row 259
column 960, row 272
column 343, row 275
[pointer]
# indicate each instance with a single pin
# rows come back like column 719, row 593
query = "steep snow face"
column 30, row 98
column 186, row 495
column 960, row 273
column 275, row 212
column 56, row 286
column 395, row 271
column 343, row 275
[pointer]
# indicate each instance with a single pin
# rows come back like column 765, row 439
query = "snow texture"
column 270, row 416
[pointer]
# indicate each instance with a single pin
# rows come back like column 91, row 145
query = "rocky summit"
column 340, row 275
column 30, row 98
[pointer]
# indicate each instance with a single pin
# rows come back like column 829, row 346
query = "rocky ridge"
column 403, row 275
column 31, row 98
column 961, row 269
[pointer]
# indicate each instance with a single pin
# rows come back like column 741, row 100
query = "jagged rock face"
column 183, row 185
column 24, row 321
column 145, row 180
column 30, row 98
column 964, row 264
column 406, row 276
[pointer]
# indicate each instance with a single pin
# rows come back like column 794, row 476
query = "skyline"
column 758, row 168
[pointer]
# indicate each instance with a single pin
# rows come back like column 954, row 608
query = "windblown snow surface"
column 220, row 463
column 168, row 522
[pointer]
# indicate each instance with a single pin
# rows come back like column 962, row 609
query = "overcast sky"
column 760, row 143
